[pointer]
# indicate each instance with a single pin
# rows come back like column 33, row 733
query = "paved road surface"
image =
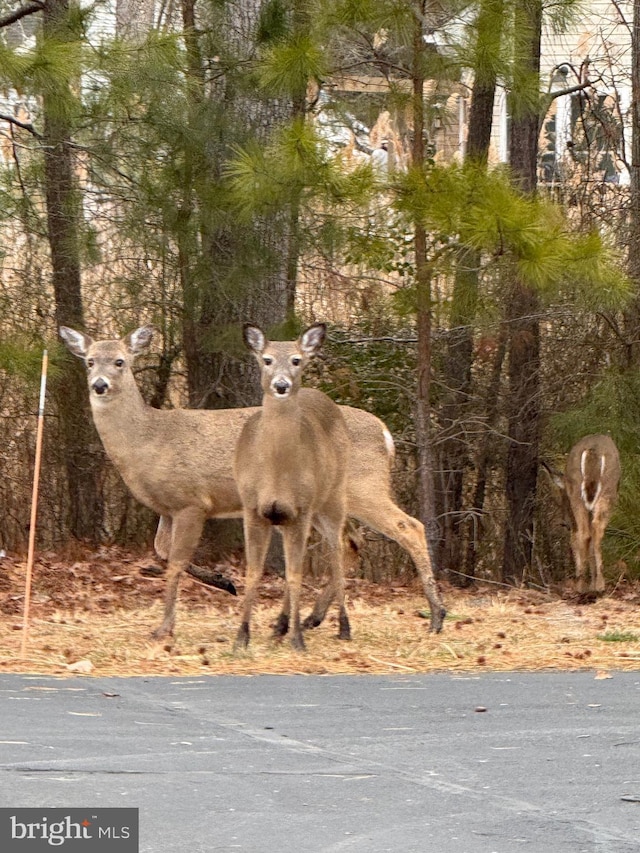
column 360, row 764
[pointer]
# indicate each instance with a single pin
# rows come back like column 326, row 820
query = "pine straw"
column 486, row 630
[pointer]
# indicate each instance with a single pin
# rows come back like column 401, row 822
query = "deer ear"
column 136, row 342
column 312, row 339
column 556, row 478
column 76, row 342
column 254, row 338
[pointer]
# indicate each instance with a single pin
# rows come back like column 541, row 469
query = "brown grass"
column 98, row 609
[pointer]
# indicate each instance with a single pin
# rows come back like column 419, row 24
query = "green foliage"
column 295, row 162
column 273, row 22
column 619, row 637
column 470, row 207
column 289, row 65
column 22, row 360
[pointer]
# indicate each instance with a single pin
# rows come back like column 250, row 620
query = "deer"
column 589, row 491
column 290, row 467
column 179, row 463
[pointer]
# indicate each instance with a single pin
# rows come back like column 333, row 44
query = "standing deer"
column 179, row 463
column 291, row 471
column 589, row 489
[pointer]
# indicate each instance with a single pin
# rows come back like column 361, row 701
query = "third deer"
column 589, row 488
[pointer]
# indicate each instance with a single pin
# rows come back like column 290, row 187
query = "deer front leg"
column 257, row 535
column 186, row 529
column 295, row 543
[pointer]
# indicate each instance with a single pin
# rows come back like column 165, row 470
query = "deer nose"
column 100, row 386
column 281, row 386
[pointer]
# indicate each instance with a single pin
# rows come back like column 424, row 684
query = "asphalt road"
column 361, row 764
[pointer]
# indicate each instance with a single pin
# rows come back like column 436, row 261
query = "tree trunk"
column 523, row 322
column 423, row 290
column 82, row 451
column 459, row 352
column 632, row 313
column 218, row 294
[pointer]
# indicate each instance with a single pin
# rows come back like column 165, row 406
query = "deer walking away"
column 589, row 488
column 179, row 463
column 291, row 472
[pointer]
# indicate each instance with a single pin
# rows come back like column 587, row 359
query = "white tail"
column 291, row 471
column 179, row 462
column 590, row 491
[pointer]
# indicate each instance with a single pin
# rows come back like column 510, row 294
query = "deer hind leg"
column 257, row 536
column 186, row 529
column 332, row 531
column 162, row 542
column 598, row 526
column 408, row 532
column 580, row 547
column 295, row 538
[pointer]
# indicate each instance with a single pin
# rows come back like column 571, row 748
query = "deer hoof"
column 437, row 620
column 311, row 622
column 162, row 633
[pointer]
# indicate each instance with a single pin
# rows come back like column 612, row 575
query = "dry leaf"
column 83, row 666
column 602, row 674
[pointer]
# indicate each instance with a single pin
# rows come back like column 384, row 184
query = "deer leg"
column 580, row 547
column 331, row 528
column 387, row 518
column 281, row 626
column 598, row 527
column 186, row 529
column 162, row 542
column 295, row 539
column 257, row 535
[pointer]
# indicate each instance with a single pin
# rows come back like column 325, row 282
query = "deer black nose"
column 281, row 386
column 100, row 386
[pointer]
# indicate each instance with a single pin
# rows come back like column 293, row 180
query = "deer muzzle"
column 100, row 386
column 281, row 387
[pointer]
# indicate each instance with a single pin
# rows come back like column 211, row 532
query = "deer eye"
column 296, row 360
column 266, row 359
column 119, row 362
column 90, row 362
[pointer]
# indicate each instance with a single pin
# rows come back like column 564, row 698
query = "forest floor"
column 94, row 614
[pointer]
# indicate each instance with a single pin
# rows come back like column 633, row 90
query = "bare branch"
column 21, row 12
column 24, row 125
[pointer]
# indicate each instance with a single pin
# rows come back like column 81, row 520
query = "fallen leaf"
column 602, row 674
column 80, row 666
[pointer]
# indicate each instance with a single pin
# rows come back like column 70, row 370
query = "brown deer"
column 179, row 462
column 291, row 471
column 589, row 489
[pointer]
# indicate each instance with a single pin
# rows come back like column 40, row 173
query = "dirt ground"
column 93, row 614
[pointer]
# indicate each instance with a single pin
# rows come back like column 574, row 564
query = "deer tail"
column 592, row 467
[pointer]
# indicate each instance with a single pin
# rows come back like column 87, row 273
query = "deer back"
column 592, row 473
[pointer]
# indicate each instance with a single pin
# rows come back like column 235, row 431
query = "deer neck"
column 122, row 422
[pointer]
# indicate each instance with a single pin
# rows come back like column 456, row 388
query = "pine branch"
column 21, row 12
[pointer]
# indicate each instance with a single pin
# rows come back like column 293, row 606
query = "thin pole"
column 34, row 505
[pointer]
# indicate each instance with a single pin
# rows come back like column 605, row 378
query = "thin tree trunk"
column 523, row 322
column 83, row 455
column 632, row 314
column 459, row 351
column 423, row 289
